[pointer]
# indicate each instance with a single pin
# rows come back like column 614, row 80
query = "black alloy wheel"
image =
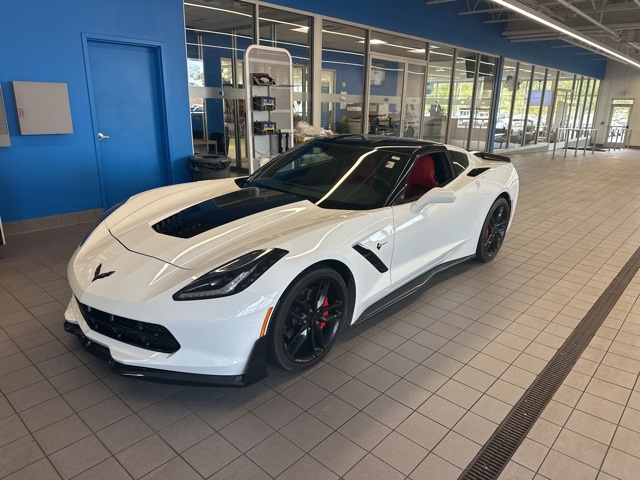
column 493, row 231
column 309, row 319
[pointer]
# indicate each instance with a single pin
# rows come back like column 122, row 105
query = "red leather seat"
column 422, row 178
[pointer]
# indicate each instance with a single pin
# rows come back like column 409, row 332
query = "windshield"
column 334, row 176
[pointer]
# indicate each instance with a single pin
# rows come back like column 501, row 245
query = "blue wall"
column 441, row 22
column 41, row 40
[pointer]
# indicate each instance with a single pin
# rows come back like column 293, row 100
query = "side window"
column 460, row 161
column 444, row 174
column 429, row 171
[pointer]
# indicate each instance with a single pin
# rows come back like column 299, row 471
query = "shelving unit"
column 262, row 140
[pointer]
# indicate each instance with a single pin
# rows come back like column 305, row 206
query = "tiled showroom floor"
column 415, row 394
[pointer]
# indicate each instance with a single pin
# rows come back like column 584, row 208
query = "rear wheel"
column 493, row 231
column 309, row 319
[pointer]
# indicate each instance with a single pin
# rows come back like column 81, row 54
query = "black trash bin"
column 210, row 166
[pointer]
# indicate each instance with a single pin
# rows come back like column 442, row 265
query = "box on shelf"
column 264, row 128
column 264, row 103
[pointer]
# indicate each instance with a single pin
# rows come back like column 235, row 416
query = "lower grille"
column 132, row 332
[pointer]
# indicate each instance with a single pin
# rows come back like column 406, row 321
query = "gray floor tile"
column 42, row 470
column 309, row 469
column 372, row 467
column 11, row 429
column 338, row 453
column 387, row 411
column 210, row 455
column 124, row 433
column 246, row 432
column 45, row 413
column 263, row 454
column 145, row 456
column 174, row 468
column 401, row 453
column 422, row 430
column 241, row 469
column 434, row 467
column 61, row 434
column 186, row 433
column 69, row 463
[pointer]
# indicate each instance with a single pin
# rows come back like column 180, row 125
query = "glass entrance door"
column 618, row 126
column 396, row 97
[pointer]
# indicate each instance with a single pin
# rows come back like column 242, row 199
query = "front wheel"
column 308, row 320
column 493, row 231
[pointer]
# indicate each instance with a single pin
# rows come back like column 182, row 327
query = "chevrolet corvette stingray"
column 204, row 282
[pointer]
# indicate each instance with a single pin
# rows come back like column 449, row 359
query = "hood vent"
column 221, row 210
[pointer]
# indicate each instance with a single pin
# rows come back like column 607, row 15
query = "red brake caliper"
column 325, row 314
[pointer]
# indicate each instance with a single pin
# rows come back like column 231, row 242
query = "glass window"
column 398, row 46
column 562, row 107
column 502, row 138
column 291, row 31
column 522, row 130
column 483, row 102
column 536, row 104
column 436, row 108
column 342, row 88
column 592, row 103
column 464, row 75
column 546, row 99
column 216, row 40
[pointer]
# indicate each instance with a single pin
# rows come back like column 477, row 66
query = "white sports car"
column 202, row 282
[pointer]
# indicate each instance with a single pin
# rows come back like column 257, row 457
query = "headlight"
column 232, row 277
column 104, row 215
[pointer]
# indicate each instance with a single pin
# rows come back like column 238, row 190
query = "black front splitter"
column 256, row 367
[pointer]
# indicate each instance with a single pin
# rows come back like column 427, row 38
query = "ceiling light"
column 301, row 29
column 533, row 15
column 417, row 50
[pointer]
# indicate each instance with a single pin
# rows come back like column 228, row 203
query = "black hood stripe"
column 221, row 210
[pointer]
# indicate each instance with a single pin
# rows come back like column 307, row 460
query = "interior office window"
column 342, row 88
column 436, row 107
column 216, row 40
column 291, row 31
column 483, row 102
column 464, row 74
column 502, row 136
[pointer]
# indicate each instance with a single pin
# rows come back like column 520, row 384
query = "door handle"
column 102, row 137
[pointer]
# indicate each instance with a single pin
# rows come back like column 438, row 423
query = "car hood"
column 194, row 225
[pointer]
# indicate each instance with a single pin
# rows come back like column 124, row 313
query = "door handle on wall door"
column 102, row 137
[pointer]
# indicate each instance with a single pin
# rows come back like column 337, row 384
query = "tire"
column 493, row 231
column 308, row 319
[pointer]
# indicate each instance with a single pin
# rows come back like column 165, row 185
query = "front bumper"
column 256, row 368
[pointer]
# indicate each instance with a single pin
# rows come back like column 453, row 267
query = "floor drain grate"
column 499, row 449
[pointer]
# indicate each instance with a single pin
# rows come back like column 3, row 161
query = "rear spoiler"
column 491, row 156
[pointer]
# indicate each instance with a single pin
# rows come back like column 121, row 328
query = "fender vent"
column 371, row 257
column 477, row 171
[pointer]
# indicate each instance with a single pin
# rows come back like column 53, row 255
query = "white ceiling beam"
column 575, row 35
column 589, row 18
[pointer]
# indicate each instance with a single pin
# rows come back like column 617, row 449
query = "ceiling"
column 614, row 24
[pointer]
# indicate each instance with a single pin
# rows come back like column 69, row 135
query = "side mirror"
column 435, row 195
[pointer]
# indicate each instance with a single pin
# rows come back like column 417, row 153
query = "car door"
column 438, row 232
